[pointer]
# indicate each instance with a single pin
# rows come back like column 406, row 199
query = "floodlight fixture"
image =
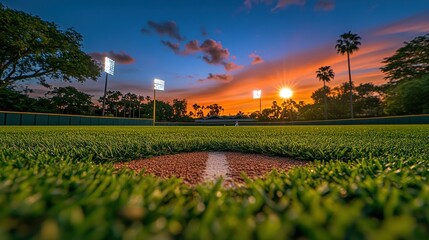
column 109, row 66
column 257, row 94
column 158, row 84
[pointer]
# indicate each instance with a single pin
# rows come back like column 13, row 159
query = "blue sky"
column 287, row 40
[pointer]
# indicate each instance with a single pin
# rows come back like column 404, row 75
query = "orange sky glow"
column 298, row 71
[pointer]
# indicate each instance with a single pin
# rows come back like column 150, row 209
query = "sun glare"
column 286, row 93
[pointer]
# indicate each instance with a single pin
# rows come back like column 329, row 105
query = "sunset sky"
column 219, row 51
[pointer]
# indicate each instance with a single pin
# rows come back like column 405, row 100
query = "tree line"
column 368, row 102
column 69, row 100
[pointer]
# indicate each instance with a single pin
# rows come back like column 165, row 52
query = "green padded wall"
column 13, row 119
column 2, row 118
column 28, row 119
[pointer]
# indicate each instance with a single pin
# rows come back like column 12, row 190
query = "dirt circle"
column 191, row 167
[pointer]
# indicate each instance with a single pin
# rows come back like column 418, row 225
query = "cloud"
column 256, row 59
column 249, row 3
column 173, row 46
column 414, row 24
column 325, row 5
column 284, row 3
column 121, row 57
column 218, row 77
column 230, row 66
column 164, row 28
column 189, row 76
column 191, row 47
column 213, row 52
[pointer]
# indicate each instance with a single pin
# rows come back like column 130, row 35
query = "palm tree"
column 325, row 74
column 348, row 43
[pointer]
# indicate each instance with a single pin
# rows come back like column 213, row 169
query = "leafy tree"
column 255, row 115
column 140, row 103
column 368, row 100
column 164, row 111
column 70, row 100
column 409, row 97
column 129, row 102
column 241, row 115
column 198, row 111
column 289, row 109
column 347, row 44
column 310, row 111
column 202, row 110
column 409, row 62
column 134, row 101
column 31, row 48
column 42, row 105
column 265, row 115
column 11, row 100
column 214, row 110
column 276, row 110
column 112, row 102
column 179, row 108
column 338, row 101
column 325, row 74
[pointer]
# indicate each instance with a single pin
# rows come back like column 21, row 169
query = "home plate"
column 216, row 167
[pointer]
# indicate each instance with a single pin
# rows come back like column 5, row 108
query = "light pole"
column 258, row 94
column 109, row 68
column 157, row 85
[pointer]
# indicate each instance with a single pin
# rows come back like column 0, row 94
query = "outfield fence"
column 32, row 119
column 409, row 119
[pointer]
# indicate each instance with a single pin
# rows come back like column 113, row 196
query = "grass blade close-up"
column 361, row 182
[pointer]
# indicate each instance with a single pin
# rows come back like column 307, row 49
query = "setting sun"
column 286, row 93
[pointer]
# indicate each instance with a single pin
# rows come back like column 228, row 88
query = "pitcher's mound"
column 198, row 167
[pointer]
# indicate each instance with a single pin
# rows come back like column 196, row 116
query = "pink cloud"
column 415, row 24
column 230, row 66
column 164, row 28
column 218, row 77
column 121, row 57
column 325, row 5
column 322, row 5
column 256, row 58
column 249, row 3
column 173, row 46
column 213, row 52
column 284, row 3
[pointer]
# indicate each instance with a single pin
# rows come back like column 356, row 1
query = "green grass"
column 364, row 182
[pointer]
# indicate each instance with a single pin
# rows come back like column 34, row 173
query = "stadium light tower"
column 258, row 94
column 109, row 68
column 158, row 84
